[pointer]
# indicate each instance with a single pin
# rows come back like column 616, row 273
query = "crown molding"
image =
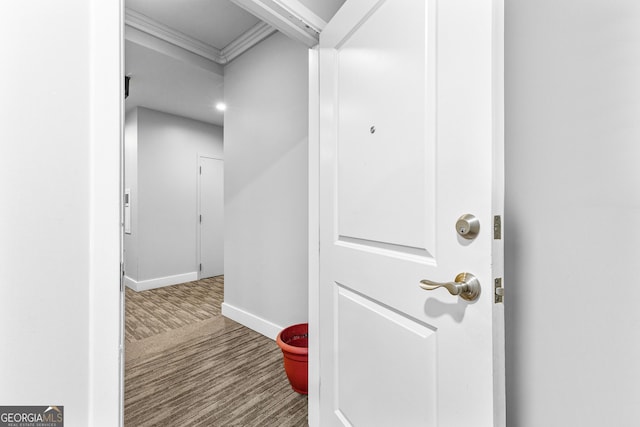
column 246, row 41
column 154, row 43
column 237, row 47
column 145, row 24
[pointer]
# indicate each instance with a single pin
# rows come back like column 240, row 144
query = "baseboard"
column 159, row 282
column 251, row 321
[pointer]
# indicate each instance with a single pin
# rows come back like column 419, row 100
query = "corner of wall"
column 266, row 191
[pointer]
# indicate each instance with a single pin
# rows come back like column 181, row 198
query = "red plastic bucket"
column 293, row 341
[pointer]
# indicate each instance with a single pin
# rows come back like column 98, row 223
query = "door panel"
column 212, row 217
column 408, row 141
column 406, row 344
column 386, row 124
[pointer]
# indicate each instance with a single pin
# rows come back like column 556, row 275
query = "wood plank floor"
column 185, row 370
column 152, row 312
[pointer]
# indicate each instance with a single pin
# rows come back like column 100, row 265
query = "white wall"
column 59, row 222
column 572, row 209
column 162, row 247
column 266, row 191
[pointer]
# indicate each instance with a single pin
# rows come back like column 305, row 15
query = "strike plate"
column 497, row 227
column 498, row 290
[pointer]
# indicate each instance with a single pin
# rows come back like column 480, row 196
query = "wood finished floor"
column 186, row 369
column 152, row 312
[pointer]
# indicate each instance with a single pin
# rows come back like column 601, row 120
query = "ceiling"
column 214, row 22
column 175, row 50
column 187, row 83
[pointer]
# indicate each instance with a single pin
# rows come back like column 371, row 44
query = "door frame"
column 314, row 239
column 199, row 208
column 106, row 387
column 106, row 384
column 106, row 213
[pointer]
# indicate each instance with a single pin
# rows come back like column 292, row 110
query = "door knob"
column 466, row 285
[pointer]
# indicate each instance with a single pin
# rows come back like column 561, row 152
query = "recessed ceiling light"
column 221, row 106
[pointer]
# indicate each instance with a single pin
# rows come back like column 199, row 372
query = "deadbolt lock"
column 468, row 226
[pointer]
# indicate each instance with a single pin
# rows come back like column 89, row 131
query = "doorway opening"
column 266, row 190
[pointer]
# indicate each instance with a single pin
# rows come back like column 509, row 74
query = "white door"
column 211, row 217
column 410, row 140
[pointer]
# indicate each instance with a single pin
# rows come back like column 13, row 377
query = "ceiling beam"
column 288, row 16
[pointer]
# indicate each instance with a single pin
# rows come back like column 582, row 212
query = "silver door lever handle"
column 465, row 285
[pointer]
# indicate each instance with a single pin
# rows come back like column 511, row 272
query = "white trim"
column 244, row 42
column 251, row 321
column 291, row 18
column 151, row 42
column 106, row 105
column 144, row 285
column 198, row 213
column 297, row 9
column 130, row 283
column 144, row 23
column 497, row 200
column 314, row 240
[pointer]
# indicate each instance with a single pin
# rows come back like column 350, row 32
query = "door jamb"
column 314, row 239
column 105, row 398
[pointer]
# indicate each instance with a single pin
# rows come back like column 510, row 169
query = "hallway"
column 186, row 365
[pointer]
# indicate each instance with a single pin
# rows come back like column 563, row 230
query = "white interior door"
column 410, row 140
column 211, row 219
